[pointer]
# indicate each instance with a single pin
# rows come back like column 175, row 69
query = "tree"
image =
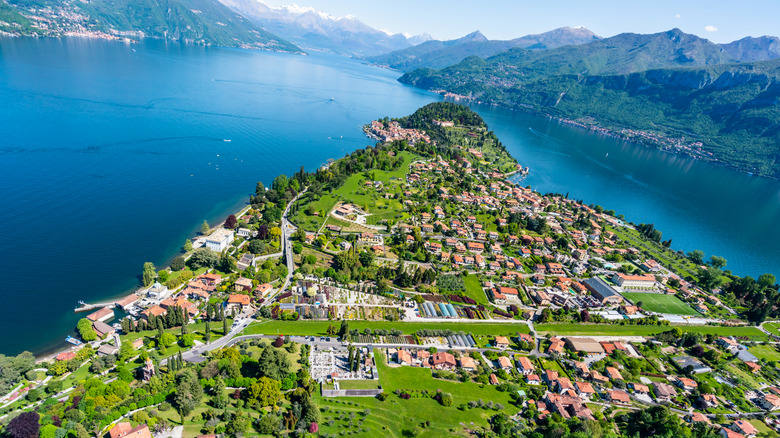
column 203, row 257
column 278, row 342
column 125, row 351
column 766, row 280
column 297, row 248
column 85, row 329
column 224, row 326
column 207, row 332
column 274, row 364
column 187, row 245
column 177, row 264
column 366, row 258
column 48, row 431
column 149, row 274
column 717, row 262
column 188, row 392
column 220, row 398
column 445, row 398
column 269, row 424
column 710, row 277
column 205, row 228
column 264, row 391
column 231, row 221
column 696, row 256
column 25, row 425
column 166, row 340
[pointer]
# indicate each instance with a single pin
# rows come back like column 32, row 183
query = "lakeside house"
column 219, row 240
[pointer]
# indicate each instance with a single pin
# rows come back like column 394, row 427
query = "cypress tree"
column 207, row 334
column 224, row 327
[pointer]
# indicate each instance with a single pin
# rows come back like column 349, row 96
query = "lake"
column 113, row 154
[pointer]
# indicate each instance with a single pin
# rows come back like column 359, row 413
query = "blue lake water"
column 113, row 154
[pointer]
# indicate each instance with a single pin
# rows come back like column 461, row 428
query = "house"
column 744, row 427
column 698, row 417
column 525, row 337
column 210, row 279
column 567, row 406
column 219, row 240
column 688, row 361
column 728, row 433
column 127, row 302
column 107, row 350
column 598, row 377
column 403, row 357
column 550, row 376
column 243, row 284
column 468, row 364
column 138, row 343
column 502, row 342
column 563, row 385
column 525, row 366
column 493, row 379
column 244, row 232
column 618, row 396
column 237, row 303
column 245, row 262
column 533, row 379
column 102, row 329
column 126, row 430
column 687, row 384
column 614, row 374
column 153, row 312
column 640, row 389
column 443, row 361
column 770, row 402
column 505, row 363
column 753, row 367
column 65, row 355
column 158, row 292
column 582, row 368
column 556, row 346
column 708, row 400
column 728, row 343
column 664, row 391
column 262, row 289
column 475, row 247
column 585, row 390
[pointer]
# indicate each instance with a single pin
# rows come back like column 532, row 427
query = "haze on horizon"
column 719, row 21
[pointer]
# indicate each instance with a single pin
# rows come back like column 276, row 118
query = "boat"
column 227, row 140
column 72, row 340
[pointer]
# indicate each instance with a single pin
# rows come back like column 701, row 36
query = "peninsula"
column 416, row 288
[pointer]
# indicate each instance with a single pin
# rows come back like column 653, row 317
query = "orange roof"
column 243, row 300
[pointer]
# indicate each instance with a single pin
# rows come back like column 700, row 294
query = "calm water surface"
column 113, row 154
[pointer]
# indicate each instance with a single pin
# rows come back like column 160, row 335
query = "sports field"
column 661, row 303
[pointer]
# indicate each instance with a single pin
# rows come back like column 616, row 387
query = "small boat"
column 72, row 340
column 227, row 140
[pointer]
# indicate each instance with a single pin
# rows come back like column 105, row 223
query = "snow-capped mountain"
column 320, row 31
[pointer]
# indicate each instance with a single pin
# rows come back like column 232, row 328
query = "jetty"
column 83, row 307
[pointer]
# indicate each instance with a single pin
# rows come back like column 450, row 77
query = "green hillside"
column 196, row 21
column 675, row 86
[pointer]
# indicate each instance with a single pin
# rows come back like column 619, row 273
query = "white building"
column 158, row 291
column 634, row 281
column 220, row 240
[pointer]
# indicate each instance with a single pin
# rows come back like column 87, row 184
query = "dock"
column 83, row 307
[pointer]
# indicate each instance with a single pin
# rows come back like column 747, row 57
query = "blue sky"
column 719, row 21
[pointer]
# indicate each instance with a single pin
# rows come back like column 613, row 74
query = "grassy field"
column 661, row 303
column 354, row 192
column 319, row 328
column 645, row 330
column 768, row 352
column 772, row 327
column 358, row 384
column 396, row 417
column 474, row 289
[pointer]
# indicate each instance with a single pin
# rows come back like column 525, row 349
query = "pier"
column 83, row 307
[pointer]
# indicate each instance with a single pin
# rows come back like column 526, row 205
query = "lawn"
column 319, row 328
column 772, row 327
column 358, row 384
column 767, row 352
column 474, row 289
column 662, row 255
column 661, row 303
column 646, row 330
column 396, row 417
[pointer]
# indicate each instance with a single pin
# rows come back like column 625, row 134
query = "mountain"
column 206, row 22
column 670, row 89
column 439, row 54
column 751, row 49
column 316, row 30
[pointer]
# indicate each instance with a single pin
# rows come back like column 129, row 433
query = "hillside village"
column 421, row 272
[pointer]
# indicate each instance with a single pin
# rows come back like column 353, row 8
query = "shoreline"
column 608, row 132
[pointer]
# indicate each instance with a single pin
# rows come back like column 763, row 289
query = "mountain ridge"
column 685, row 92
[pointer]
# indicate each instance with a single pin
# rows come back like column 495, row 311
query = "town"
column 415, row 288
